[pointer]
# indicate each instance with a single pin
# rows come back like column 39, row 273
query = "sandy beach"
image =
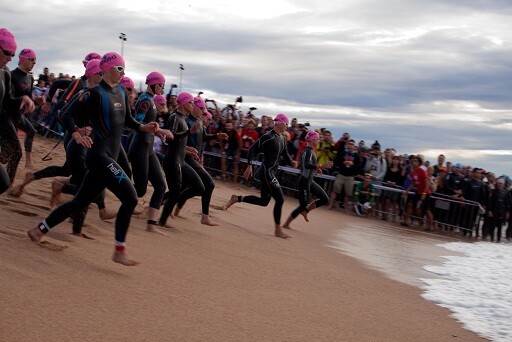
column 235, row 282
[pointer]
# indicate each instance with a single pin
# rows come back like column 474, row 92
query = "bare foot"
column 138, row 211
column 122, row 258
column 287, row 226
column 35, row 234
column 205, row 219
column 29, row 166
column 305, row 215
column 17, row 190
column 153, row 229
column 107, row 215
column 140, row 208
column 29, row 177
column 280, row 234
column 232, row 200
column 56, row 191
column 176, row 212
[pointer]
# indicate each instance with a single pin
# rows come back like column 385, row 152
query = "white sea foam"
column 476, row 287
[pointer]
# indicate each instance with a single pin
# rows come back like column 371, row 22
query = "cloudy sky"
column 424, row 77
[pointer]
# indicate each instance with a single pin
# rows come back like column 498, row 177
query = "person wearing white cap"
column 273, row 147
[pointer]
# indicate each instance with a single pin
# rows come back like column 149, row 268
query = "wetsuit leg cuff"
column 120, row 246
column 43, row 226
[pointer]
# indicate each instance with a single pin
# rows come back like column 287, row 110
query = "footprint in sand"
column 51, row 246
column 218, row 207
column 44, row 207
column 24, row 213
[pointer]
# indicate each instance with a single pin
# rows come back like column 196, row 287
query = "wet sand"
column 235, row 282
column 400, row 253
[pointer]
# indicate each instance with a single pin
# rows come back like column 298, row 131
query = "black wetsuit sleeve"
column 71, row 91
column 129, row 120
column 308, row 161
column 8, row 102
column 174, row 127
column 256, row 148
column 208, row 137
column 58, row 84
column 74, row 114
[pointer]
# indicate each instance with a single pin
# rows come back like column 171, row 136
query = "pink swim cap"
column 183, row 98
column 7, row 41
column 26, row 54
column 281, row 118
column 208, row 115
column 160, row 99
column 110, row 60
column 92, row 68
column 312, row 135
column 154, row 77
column 199, row 103
column 127, row 82
column 90, row 56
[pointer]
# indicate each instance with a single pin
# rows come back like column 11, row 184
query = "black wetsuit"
column 145, row 164
column 73, row 88
column 177, row 171
column 76, row 164
column 273, row 146
column 21, row 84
column 196, row 140
column 108, row 110
column 306, row 184
column 7, row 102
column 60, row 84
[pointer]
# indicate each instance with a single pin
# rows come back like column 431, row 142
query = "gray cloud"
column 402, row 72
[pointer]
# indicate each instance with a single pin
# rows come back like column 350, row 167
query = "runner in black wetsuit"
column 22, row 84
column 194, row 143
column 145, row 164
column 306, row 184
column 177, row 171
column 106, row 104
column 58, row 171
column 76, row 156
column 273, row 146
column 7, row 51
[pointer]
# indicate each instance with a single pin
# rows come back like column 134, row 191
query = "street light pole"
column 181, row 74
column 122, row 36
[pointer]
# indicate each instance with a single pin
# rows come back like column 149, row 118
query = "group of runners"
column 95, row 112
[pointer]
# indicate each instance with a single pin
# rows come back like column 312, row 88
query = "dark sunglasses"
column 119, row 68
column 161, row 85
column 8, row 53
column 32, row 59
